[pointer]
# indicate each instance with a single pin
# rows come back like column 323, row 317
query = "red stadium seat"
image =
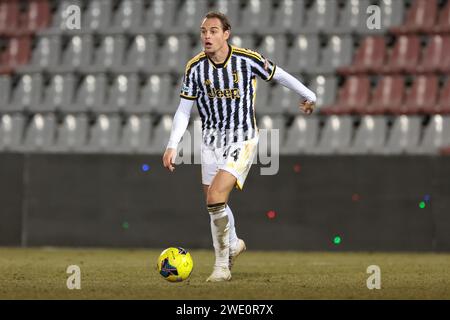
column 17, row 53
column 443, row 24
column 420, row 18
column 422, row 96
column 388, row 95
column 436, row 57
column 352, row 97
column 404, row 56
column 370, row 56
column 36, row 17
column 443, row 104
column 9, row 16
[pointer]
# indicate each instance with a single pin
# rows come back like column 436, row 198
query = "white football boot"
column 219, row 274
column 233, row 255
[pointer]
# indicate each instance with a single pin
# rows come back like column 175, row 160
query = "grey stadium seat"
column 392, row 14
column 160, row 16
column 11, row 131
column 289, row 17
column 337, row 53
column 274, row 48
column 436, row 136
column 303, row 56
column 136, row 135
column 161, row 134
column 27, row 92
column 189, row 17
column 404, row 135
column 57, row 94
column 58, row 24
column 174, row 54
column 336, row 135
column 263, row 98
column 301, row 136
column 370, row 136
column 122, row 93
column 40, row 134
column 71, row 134
column 284, row 100
column 5, row 91
column 45, row 56
column 255, row 18
column 97, row 16
column 77, row 55
column 104, row 134
column 353, row 17
column 325, row 88
column 90, row 94
column 271, row 123
column 141, row 57
column 231, row 8
column 153, row 95
column 243, row 41
column 127, row 17
column 321, row 17
column 109, row 55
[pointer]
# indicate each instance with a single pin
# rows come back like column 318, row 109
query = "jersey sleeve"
column 189, row 85
column 262, row 67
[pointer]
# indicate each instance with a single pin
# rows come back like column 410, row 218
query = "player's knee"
column 215, row 196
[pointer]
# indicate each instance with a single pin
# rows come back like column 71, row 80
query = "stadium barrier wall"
column 369, row 202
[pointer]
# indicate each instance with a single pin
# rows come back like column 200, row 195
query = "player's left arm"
column 308, row 98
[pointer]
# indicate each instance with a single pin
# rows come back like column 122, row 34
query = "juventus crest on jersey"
column 225, row 94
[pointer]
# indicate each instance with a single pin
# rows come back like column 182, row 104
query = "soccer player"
column 222, row 80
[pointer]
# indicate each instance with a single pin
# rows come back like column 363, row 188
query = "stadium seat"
column 97, row 16
column 11, row 131
column 136, row 135
column 325, row 88
column 321, row 17
column 422, row 96
column 159, row 17
column 269, row 124
column 256, row 17
column 242, row 41
column 36, row 17
column 174, row 54
column 40, row 134
column 9, row 17
column 263, row 103
column 274, row 48
column 154, row 95
column 71, row 134
column 420, row 18
column 370, row 136
column 232, row 9
column 89, row 94
column 353, row 17
column 189, row 17
column 303, row 56
column 58, row 24
column 443, row 23
column 121, row 94
column 127, row 18
column 435, row 56
column 109, row 55
column 289, row 17
column 388, row 95
column 27, row 93
column 16, row 54
column 336, row 135
column 5, row 91
column 57, row 94
column 404, row 135
column 301, row 136
column 392, row 13
column 104, row 134
column 77, row 56
column 141, row 57
column 45, row 56
column 443, row 104
column 337, row 53
column 284, row 100
column 436, row 135
column 404, row 57
column 353, row 96
column 369, row 57
column 161, row 134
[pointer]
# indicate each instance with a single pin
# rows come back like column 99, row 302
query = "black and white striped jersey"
column 225, row 94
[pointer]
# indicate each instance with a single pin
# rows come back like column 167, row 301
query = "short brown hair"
column 223, row 19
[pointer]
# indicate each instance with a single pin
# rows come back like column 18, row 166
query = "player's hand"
column 169, row 158
column 307, row 106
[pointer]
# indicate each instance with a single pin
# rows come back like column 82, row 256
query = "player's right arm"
column 179, row 126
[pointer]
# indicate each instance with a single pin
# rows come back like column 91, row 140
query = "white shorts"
column 236, row 158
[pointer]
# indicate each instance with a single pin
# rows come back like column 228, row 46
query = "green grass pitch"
column 40, row 273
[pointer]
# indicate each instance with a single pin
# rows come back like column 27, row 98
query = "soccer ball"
column 175, row 264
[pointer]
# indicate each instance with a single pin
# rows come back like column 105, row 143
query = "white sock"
column 233, row 235
column 220, row 230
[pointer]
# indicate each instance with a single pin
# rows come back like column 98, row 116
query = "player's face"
column 212, row 35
